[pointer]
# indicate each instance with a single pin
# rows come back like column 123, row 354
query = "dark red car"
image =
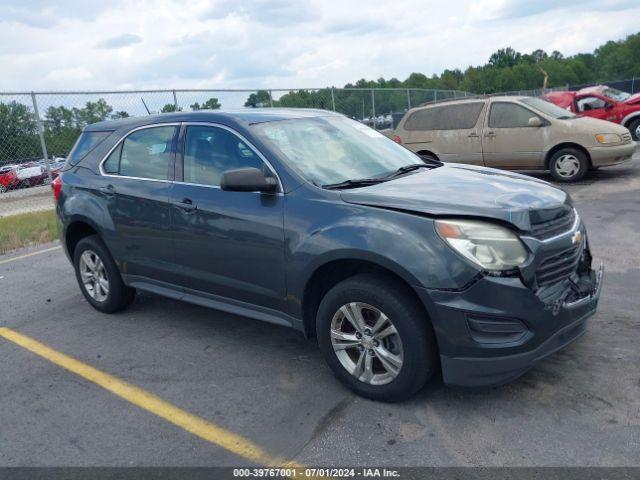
column 602, row 102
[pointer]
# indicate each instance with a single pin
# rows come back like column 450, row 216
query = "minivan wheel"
column 634, row 128
column 568, row 165
column 99, row 278
column 376, row 338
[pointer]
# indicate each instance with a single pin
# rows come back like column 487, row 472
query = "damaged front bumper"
column 498, row 328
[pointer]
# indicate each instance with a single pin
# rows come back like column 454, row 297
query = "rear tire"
column 99, row 278
column 634, row 128
column 568, row 165
column 389, row 363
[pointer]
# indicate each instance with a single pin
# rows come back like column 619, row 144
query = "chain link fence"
column 37, row 130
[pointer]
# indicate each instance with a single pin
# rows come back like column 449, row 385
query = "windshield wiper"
column 412, row 167
column 353, row 183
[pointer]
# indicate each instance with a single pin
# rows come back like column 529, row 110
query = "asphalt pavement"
column 269, row 386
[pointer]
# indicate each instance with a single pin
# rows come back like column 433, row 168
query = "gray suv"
column 400, row 266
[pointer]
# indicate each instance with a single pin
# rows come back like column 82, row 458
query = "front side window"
column 145, row 153
column 509, row 115
column 590, row 103
column 547, row 108
column 332, row 149
column 211, row 151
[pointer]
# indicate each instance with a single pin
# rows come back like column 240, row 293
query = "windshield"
column 547, row 108
column 330, row 150
column 615, row 94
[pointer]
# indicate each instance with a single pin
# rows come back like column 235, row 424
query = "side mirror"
column 247, row 180
column 535, row 122
column 608, row 106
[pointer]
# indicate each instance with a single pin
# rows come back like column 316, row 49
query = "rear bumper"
column 470, row 360
column 604, row 156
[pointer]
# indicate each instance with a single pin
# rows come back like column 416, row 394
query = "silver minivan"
column 515, row 133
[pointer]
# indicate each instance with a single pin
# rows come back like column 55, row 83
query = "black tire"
column 412, row 326
column 568, row 174
column 634, row 128
column 119, row 296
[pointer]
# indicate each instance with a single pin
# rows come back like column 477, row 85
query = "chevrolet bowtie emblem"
column 577, row 237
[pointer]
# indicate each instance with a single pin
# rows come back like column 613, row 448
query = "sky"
column 159, row 44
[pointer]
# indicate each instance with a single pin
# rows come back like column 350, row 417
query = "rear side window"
column 509, row 115
column 146, row 153
column 86, row 142
column 447, row 117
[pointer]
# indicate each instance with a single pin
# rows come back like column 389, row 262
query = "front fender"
column 403, row 243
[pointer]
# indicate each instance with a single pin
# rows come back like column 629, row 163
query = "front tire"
column 99, row 278
column 634, row 128
column 568, row 165
column 376, row 338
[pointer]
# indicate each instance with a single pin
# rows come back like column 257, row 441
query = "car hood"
column 633, row 99
column 465, row 190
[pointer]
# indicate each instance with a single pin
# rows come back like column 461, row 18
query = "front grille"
column 559, row 266
column 556, row 226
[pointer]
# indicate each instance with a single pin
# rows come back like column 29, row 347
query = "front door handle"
column 186, row 205
column 473, row 135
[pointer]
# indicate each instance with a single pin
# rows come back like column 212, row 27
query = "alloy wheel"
column 567, row 165
column 366, row 343
column 94, row 275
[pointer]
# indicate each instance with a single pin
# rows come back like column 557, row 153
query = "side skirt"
column 215, row 302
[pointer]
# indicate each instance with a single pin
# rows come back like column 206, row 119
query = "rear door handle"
column 109, row 190
column 186, row 205
column 490, row 134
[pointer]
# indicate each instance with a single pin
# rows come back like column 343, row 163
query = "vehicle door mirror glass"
column 247, row 180
column 535, row 122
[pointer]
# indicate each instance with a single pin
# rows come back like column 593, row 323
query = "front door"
column 598, row 107
column 228, row 244
column 508, row 141
column 136, row 180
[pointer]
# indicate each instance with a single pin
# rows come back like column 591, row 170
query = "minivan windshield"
column 330, row 150
column 547, row 108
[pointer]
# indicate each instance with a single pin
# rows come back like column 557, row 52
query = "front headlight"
column 606, row 138
column 486, row 244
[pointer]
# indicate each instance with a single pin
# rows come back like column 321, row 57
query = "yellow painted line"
column 27, row 255
column 148, row 401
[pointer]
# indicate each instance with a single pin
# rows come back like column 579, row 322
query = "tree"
column 170, row 107
column 505, row 57
column 259, row 99
column 18, row 133
column 93, row 112
column 120, row 114
column 211, row 104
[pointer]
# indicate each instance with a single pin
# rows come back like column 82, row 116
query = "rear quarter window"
column 447, row 117
column 85, row 144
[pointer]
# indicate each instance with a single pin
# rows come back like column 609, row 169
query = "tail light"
column 397, row 139
column 56, row 186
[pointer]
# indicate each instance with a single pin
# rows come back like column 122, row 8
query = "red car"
column 8, row 178
column 602, row 102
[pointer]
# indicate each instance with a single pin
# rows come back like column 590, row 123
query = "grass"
column 17, row 231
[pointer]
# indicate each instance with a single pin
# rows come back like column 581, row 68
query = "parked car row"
column 28, row 174
column 518, row 133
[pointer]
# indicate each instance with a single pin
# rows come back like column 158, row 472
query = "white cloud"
column 280, row 43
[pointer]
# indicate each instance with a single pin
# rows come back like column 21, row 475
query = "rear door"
column 507, row 139
column 137, row 177
column 452, row 132
column 228, row 244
